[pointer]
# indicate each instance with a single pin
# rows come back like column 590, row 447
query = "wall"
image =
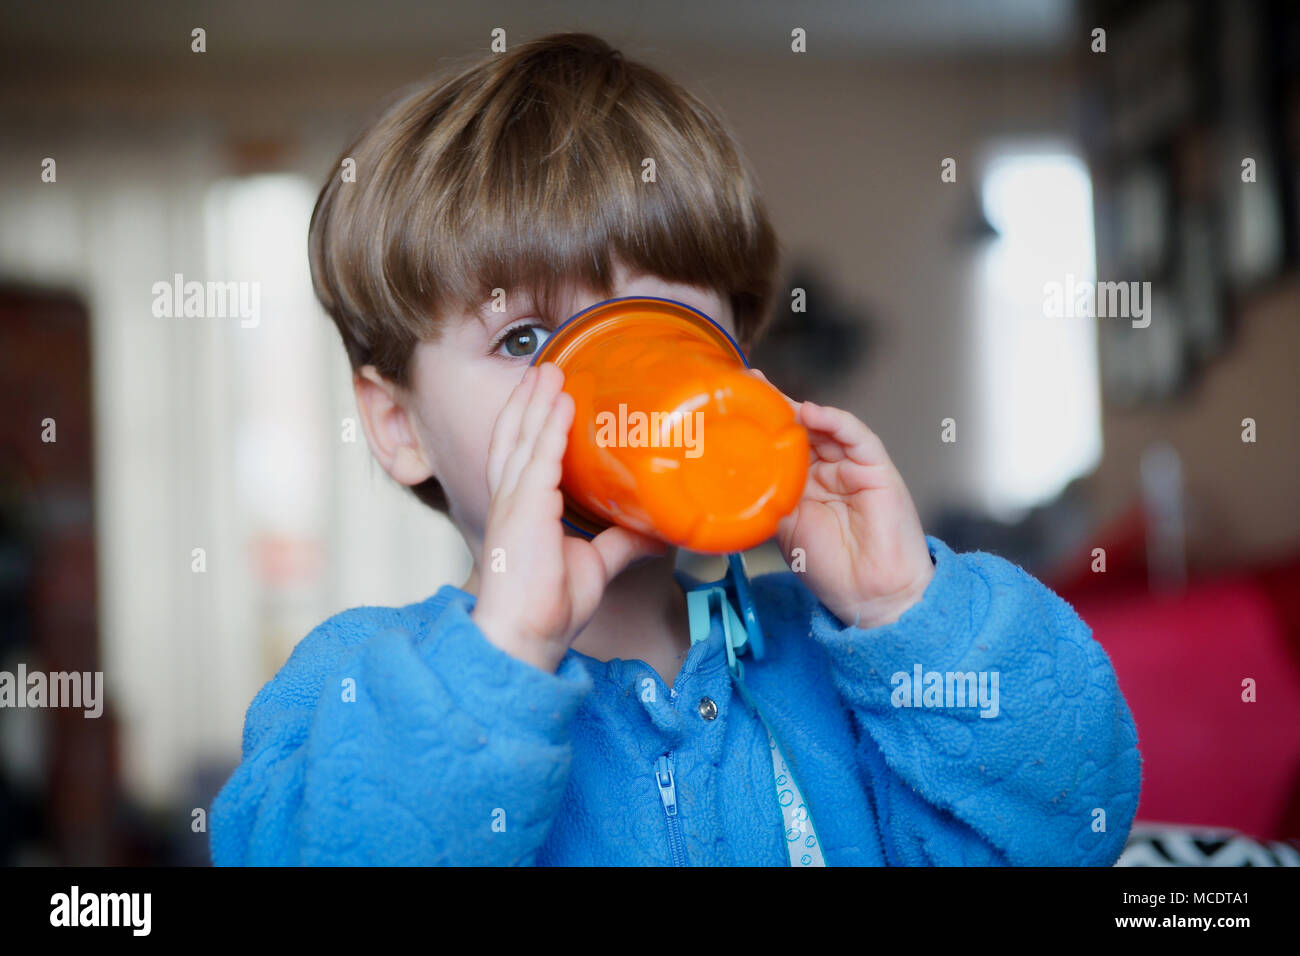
column 1242, row 497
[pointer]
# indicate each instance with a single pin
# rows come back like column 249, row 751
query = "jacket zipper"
column 668, row 794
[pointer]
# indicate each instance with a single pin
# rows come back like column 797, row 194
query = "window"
column 1037, row 381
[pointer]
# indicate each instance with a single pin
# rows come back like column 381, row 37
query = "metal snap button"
column 708, row 709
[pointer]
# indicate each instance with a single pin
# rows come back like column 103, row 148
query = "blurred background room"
column 182, row 499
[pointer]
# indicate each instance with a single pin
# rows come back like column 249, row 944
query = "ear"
column 387, row 418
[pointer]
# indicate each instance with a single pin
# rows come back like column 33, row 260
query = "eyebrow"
column 486, row 317
column 482, row 313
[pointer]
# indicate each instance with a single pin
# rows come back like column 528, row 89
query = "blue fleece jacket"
column 402, row 736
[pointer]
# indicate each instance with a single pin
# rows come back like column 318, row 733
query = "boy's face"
column 460, row 383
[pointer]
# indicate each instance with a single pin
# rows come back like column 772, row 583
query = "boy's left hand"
column 865, row 554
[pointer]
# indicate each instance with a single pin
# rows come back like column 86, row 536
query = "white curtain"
column 209, row 434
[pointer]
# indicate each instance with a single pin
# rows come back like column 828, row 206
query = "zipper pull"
column 667, row 789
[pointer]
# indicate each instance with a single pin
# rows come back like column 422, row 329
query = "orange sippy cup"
column 671, row 436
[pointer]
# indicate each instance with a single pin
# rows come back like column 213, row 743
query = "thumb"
column 593, row 564
column 618, row 547
column 785, row 532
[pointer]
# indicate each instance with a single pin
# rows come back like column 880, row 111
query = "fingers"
column 618, row 547
column 533, row 418
column 833, row 432
column 545, row 466
column 505, row 431
column 848, row 477
column 837, row 434
column 789, row 401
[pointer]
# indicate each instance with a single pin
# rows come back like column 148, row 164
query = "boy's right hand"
column 552, row 583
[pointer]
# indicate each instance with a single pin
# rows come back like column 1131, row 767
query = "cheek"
column 465, row 436
column 477, row 443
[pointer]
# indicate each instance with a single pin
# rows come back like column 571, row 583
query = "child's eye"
column 522, row 340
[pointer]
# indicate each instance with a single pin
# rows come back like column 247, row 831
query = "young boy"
column 554, row 711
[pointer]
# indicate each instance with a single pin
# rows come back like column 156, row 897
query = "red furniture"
column 1209, row 758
